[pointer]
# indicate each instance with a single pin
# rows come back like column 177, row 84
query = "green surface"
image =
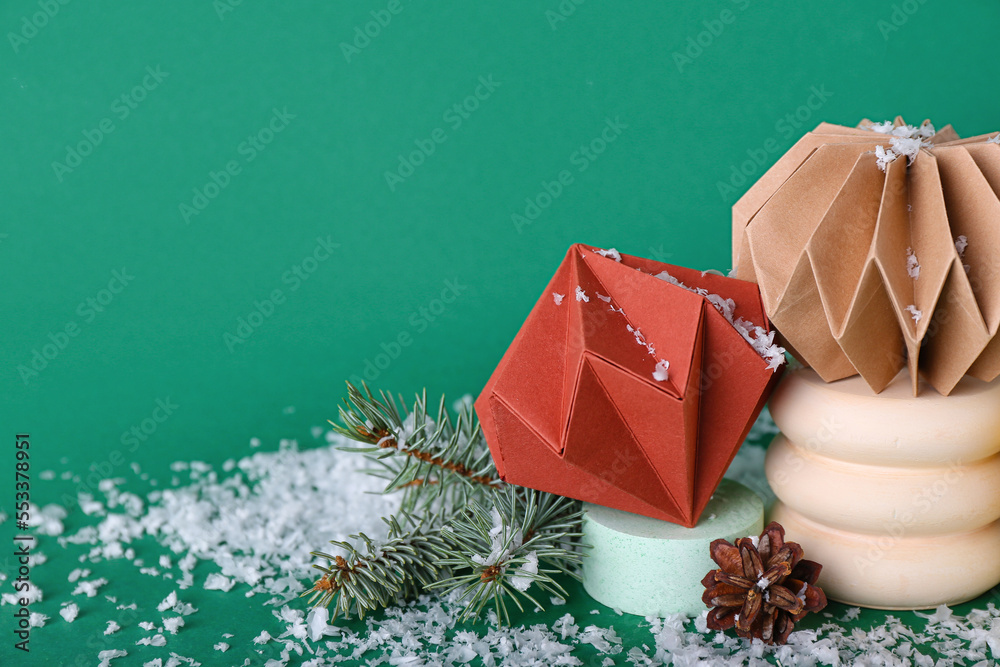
column 62, row 645
column 430, row 269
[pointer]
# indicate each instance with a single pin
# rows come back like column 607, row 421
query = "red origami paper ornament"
column 631, row 385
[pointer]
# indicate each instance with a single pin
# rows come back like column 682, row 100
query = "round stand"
column 650, row 567
column 897, row 496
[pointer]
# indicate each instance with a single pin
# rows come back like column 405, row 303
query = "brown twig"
column 383, row 440
column 326, row 583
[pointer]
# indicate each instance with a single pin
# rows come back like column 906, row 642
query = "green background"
column 690, row 122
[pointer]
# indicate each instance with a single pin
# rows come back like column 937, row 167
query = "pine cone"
column 762, row 590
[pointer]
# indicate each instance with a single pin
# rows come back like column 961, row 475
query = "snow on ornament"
column 583, row 405
column 833, row 233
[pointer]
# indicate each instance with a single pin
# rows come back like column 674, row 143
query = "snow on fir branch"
column 459, row 527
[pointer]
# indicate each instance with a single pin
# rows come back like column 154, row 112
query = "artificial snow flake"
column 112, row 628
column 173, row 624
column 907, row 146
column 155, row 640
column 318, row 624
column 107, row 656
column 168, row 602
column 912, row 265
column 221, row 646
column 883, row 157
column 218, row 582
column 662, row 371
column 604, row 640
column 905, row 131
column 502, row 547
column 523, row 575
column 581, row 295
column 89, row 588
column 904, row 140
column 558, row 298
column 69, row 612
column 47, row 520
column 77, row 574
column 759, row 338
column 89, row 505
column 32, row 594
column 962, row 242
column 914, row 313
column 942, row 614
column 566, row 627
column 610, row 252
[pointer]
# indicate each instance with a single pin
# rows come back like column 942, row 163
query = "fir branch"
column 498, row 553
column 441, row 462
column 401, row 567
column 461, row 527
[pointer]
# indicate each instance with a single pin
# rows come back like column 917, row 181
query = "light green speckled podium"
column 650, row 567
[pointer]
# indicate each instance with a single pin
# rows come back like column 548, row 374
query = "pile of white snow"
column 257, row 519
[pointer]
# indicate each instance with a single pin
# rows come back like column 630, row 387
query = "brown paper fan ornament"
column 880, row 244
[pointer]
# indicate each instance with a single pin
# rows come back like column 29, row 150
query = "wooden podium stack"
column 897, row 496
